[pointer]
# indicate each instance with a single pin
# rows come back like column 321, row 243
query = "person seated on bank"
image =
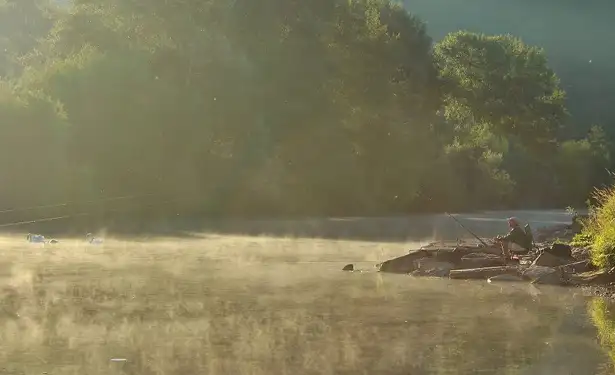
column 516, row 241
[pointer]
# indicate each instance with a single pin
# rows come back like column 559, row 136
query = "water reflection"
column 603, row 316
column 386, row 229
column 471, row 328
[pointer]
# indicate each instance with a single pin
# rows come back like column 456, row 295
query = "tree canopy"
column 326, row 107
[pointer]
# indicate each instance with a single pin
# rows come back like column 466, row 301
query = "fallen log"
column 484, row 272
column 481, row 260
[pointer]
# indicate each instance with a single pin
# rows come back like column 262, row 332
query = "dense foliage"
column 598, row 231
column 280, row 107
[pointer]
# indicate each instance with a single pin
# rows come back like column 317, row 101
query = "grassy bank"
column 598, row 231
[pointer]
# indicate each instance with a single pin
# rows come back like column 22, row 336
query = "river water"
column 269, row 297
column 374, row 323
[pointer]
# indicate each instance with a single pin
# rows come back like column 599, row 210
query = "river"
column 377, row 323
column 269, row 297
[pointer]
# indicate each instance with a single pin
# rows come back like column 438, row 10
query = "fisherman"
column 516, row 241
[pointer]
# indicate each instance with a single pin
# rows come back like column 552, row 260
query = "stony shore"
column 551, row 261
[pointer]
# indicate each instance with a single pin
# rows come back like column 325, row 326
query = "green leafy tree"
column 22, row 24
column 500, row 81
column 320, row 107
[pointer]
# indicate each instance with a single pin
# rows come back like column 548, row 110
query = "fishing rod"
column 469, row 231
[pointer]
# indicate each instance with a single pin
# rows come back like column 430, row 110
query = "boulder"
column 545, row 275
column 404, row 263
column 547, row 259
column 580, row 267
column 432, row 267
column 448, row 256
column 560, row 250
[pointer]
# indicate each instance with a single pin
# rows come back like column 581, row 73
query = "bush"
column 581, row 240
column 599, row 229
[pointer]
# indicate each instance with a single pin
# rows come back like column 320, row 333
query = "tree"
column 22, row 24
column 500, row 87
column 320, row 107
column 33, row 135
column 581, row 165
column 502, row 82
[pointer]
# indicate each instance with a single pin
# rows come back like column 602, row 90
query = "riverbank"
column 553, row 260
column 595, row 284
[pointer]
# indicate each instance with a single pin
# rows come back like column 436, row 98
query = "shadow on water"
column 374, row 229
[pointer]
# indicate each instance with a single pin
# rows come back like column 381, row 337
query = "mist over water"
column 431, row 325
column 228, row 303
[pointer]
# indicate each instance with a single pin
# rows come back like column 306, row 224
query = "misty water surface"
column 277, row 302
column 396, row 324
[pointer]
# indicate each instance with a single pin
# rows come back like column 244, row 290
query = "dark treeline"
column 279, row 107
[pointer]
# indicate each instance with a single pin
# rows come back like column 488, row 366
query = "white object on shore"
column 93, row 240
column 118, row 360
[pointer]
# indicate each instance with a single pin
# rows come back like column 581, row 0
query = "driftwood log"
column 483, row 273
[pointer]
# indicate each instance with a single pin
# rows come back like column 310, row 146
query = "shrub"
column 599, row 229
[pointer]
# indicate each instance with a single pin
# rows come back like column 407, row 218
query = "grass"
column 599, row 230
column 254, row 305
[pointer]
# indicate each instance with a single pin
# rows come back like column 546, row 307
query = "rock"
column 403, row 264
column 512, row 278
column 481, row 260
column 432, row 267
column 560, row 250
column 348, row 267
column 580, row 267
column 483, row 273
column 545, row 275
column 547, row 259
column 448, row 256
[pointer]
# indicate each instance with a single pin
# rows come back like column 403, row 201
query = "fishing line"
column 67, row 216
column 42, row 220
column 19, row 209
